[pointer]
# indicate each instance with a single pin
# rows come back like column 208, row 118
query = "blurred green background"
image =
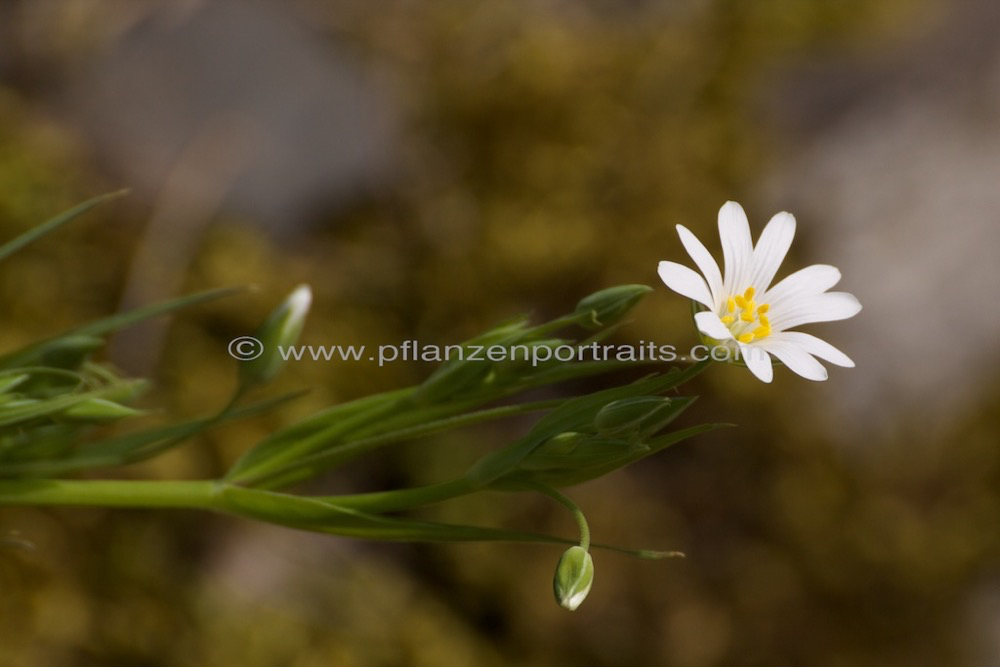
column 433, row 168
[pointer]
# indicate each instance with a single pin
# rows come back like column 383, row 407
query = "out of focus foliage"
column 549, row 149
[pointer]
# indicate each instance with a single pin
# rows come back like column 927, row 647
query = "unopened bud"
column 574, row 577
column 630, row 414
column 556, row 452
column 609, row 305
column 70, row 351
column 280, row 331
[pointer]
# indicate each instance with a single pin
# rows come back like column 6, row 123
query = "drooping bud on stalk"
column 574, row 577
column 609, row 305
column 280, row 331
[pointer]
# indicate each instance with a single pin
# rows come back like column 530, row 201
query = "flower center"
column 746, row 320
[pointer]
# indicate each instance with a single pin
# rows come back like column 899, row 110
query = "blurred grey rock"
column 302, row 123
column 898, row 183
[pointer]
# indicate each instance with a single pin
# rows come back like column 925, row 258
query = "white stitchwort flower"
column 745, row 312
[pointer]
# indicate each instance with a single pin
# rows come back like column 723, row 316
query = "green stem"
column 564, row 500
column 200, row 494
column 391, row 501
column 110, row 493
column 338, row 515
column 559, row 323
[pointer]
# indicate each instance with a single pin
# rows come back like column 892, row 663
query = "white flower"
column 745, row 312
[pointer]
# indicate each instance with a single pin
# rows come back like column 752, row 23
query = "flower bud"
column 609, row 305
column 574, row 577
column 281, row 330
column 556, row 452
column 69, row 351
column 629, row 414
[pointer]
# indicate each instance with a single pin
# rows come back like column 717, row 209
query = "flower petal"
column 826, row 307
column 811, row 280
column 737, row 247
column 685, row 282
column 814, row 346
column 758, row 361
column 795, row 357
column 709, row 324
column 705, row 263
column 771, row 250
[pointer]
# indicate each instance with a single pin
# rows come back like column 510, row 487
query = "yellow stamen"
column 742, row 308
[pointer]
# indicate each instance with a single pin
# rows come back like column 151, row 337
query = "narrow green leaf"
column 571, row 477
column 34, row 353
column 326, row 516
column 138, row 446
column 573, row 415
column 34, row 409
column 37, row 232
column 128, row 318
column 287, row 445
column 99, row 410
column 11, row 381
column 43, row 441
column 309, row 466
column 326, row 440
